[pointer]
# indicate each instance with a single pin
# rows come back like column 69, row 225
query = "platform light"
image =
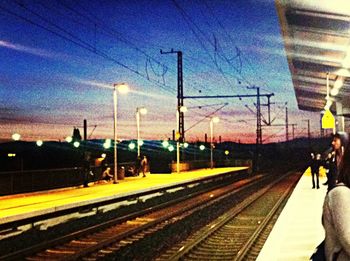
column 132, row 145
column 76, row 144
column 165, row 143
column 142, row 110
column 122, row 88
column 185, row 145
column 16, row 136
column 69, row 139
column 334, row 92
column 140, row 142
column 215, row 119
column 39, row 143
column 107, row 144
column 171, row 148
column 202, row 147
column 337, row 86
column 183, row 109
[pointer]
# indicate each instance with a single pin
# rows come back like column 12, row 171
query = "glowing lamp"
column 132, row 145
column 143, row 110
column 183, row 109
column 165, row 143
column 171, row 148
column 16, row 136
column 215, row 119
column 123, row 88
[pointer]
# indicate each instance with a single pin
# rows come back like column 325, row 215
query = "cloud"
column 29, row 50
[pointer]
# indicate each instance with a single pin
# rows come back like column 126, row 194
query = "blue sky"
column 58, row 58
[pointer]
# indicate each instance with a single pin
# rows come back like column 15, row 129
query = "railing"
column 14, row 182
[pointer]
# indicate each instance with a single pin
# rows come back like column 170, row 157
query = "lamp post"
column 139, row 110
column 123, row 88
column 212, row 121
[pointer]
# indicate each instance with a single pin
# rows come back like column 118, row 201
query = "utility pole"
column 321, row 129
column 308, row 132
column 258, row 114
column 287, row 134
column 293, row 125
column 85, row 129
column 308, row 129
column 180, row 93
column 258, row 129
column 258, row 118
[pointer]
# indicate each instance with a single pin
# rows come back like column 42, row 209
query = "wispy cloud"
column 266, row 50
column 95, row 84
column 27, row 49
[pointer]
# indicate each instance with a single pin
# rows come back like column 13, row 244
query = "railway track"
column 116, row 238
column 102, row 239
column 241, row 232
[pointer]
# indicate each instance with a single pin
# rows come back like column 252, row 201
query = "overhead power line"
column 83, row 44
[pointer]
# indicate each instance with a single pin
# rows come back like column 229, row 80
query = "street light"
column 212, row 121
column 182, row 109
column 143, row 111
column 39, row 143
column 123, row 88
column 16, row 136
column 165, row 143
column 132, row 146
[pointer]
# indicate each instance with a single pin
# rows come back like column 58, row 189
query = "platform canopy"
column 316, row 36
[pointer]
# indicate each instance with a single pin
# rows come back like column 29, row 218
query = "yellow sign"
column 328, row 121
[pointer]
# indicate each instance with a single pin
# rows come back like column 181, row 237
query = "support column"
column 340, row 118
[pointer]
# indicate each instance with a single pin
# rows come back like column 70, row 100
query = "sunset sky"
column 59, row 60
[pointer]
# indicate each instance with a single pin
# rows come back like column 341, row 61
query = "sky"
column 60, row 59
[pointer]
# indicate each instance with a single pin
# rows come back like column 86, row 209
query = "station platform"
column 28, row 205
column 298, row 230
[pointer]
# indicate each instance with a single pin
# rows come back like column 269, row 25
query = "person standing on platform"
column 315, row 169
column 336, row 160
column 336, row 215
column 326, row 165
column 144, row 164
column 86, row 169
column 138, row 165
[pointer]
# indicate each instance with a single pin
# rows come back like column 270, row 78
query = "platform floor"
column 298, row 229
column 16, row 207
